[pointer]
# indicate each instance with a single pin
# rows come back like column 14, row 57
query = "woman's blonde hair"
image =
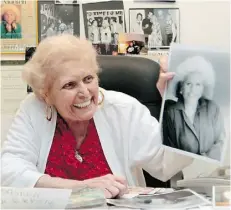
column 13, row 8
column 50, row 58
column 197, row 64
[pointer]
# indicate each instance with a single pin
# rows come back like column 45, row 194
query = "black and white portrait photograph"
column 104, row 26
column 179, row 199
column 160, row 25
column 196, row 110
column 56, row 18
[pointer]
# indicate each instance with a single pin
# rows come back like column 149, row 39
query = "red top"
column 62, row 162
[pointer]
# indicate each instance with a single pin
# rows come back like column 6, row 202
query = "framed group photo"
column 103, row 22
column 58, row 17
column 161, row 26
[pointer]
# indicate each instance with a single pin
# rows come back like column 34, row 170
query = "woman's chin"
column 84, row 114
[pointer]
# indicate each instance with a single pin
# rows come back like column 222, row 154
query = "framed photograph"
column 56, row 17
column 104, row 21
column 18, row 25
column 161, row 26
column 195, row 114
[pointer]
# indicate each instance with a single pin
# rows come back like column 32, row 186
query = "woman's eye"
column 88, row 79
column 69, row 85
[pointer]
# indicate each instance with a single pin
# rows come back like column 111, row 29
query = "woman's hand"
column 8, row 27
column 164, row 75
column 111, row 185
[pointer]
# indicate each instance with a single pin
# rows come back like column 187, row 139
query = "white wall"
column 201, row 22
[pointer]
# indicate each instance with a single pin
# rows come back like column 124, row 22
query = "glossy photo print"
column 196, row 109
column 161, row 26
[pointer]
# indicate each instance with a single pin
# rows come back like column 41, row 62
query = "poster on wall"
column 161, row 26
column 103, row 21
column 55, row 17
column 18, row 25
column 195, row 114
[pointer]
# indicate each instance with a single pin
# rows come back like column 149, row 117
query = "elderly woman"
column 71, row 133
column 194, row 123
column 10, row 27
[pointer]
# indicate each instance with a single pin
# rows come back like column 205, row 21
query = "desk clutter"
column 137, row 198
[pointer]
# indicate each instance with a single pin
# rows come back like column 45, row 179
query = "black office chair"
column 137, row 77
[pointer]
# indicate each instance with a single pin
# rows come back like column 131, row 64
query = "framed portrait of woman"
column 18, row 25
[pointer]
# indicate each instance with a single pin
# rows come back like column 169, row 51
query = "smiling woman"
column 70, row 133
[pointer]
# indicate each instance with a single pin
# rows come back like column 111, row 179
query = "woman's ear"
column 47, row 99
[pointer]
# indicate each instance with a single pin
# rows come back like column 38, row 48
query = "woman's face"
column 95, row 23
column 139, row 17
column 105, row 23
column 75, row 93
column 193, row 87
column 9, row 17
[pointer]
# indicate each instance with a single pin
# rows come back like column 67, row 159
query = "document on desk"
column 34, row 198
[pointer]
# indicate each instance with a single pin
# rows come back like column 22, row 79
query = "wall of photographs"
column 102, row 22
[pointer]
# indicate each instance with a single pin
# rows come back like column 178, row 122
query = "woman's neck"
column 190, row 107
column 79, row 130
column 191, row 103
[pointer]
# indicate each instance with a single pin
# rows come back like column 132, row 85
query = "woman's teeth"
column 83, row 105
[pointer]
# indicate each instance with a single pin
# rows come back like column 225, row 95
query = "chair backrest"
column 137, row 77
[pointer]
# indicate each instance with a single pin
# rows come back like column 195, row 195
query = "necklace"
column 78, row 156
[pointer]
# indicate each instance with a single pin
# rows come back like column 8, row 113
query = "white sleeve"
column 147, row 150
column 20, row 153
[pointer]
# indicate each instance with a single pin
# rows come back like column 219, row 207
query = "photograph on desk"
column 161, row 26
column 56, row 18
column 196, row 107
column 179, row 199
column 103, row 21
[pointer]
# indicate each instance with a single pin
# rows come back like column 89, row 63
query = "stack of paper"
column 86, row 198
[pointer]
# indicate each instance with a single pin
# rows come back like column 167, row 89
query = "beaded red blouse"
column 62, row 161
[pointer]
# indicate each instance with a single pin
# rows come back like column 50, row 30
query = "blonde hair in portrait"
column 11, row 8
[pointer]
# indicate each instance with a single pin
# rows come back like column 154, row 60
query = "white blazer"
column 129, row 135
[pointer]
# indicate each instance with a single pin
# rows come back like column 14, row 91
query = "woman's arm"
column 56, row 182
column 20, row 157
column 169, row 131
